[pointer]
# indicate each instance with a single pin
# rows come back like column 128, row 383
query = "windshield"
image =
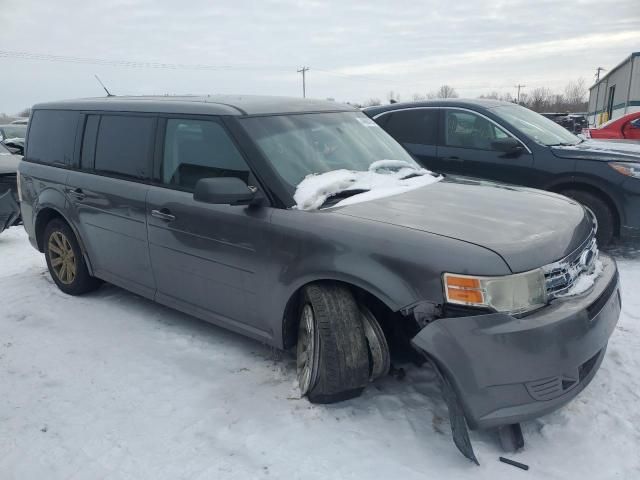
column 304, row 144
column 14, row 131
column 535, row 126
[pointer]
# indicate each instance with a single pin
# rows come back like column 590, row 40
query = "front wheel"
column 600, row 209
column 332, row 355
column 65, row 261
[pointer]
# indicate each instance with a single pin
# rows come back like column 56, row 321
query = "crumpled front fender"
column 9, row 210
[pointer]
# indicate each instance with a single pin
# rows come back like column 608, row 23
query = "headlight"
column 516, row 293
column 628, row 169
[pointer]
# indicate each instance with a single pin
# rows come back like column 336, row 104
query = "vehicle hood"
column 9, row 163
column 602, row 150
column 528, row 228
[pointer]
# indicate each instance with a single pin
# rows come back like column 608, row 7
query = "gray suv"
column 303, row 224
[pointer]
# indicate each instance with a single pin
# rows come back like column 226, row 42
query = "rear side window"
column 52, row 136
column 418, row 126
column 123, row 145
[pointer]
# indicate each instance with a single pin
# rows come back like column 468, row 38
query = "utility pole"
column 519, row 87
column 303, row 71
column 598, row 70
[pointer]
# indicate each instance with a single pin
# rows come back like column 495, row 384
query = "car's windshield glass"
column 14, row 131
column 303, row 144
column 535, row 126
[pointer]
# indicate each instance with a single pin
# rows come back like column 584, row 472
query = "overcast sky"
column 355, row 49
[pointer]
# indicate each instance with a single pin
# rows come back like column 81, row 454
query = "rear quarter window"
column 52, row 136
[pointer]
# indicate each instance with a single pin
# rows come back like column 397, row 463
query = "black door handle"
column 163, row 214
column 454, row 159
column 77, row 193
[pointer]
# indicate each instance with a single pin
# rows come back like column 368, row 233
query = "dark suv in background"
column 303, row 224
column 512, row 144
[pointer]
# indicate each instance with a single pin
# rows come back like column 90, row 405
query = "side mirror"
column 507, row 145
column 223, row 191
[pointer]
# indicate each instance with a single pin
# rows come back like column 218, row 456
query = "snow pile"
column 112, row 386
column 384, row 178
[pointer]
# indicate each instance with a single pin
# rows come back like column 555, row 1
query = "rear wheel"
column 65, row 261
column 600, row 209
column 333, row 360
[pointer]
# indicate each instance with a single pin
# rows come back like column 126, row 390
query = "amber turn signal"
column 463, row 290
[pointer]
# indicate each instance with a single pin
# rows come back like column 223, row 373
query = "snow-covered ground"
column 112, row 386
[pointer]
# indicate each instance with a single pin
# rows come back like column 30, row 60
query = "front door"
column 108, row 195
column 469, row 149
column 203, row 255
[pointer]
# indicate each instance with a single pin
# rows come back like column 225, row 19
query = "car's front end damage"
column 500, row 368
column 9, row 204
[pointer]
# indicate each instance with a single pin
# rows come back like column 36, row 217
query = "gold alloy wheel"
column 62, row 258
column 307, row 350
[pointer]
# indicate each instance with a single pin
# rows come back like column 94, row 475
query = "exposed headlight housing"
column 516, row 294
column 628, row 169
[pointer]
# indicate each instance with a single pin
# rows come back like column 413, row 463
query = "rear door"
column 417, row 130
column 204, row 255
column 108, row 194
column 467, row 149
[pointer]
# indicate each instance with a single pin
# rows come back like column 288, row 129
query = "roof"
column 236, row 105
column 621, row 64
column 450, row 102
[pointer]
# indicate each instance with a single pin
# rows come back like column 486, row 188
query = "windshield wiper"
column 333, row 199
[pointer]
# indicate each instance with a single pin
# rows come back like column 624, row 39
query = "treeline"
column 540, row 99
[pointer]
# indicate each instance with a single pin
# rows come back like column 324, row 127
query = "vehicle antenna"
column 109, row 94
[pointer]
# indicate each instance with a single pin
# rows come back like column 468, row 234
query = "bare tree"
column 417, row 97
column 575, row 92
column 25, row 113
column 539, row 99
column 372, row 102
column 491, row 96
column 445, row 91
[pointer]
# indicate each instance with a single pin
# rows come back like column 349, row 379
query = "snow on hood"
column 384, row 178
column 612, row 145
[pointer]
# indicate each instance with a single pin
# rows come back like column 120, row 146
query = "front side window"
column 196, row 149
column 535, row 126
column 123, row 145
column 469, row 130
column 418, row 125
column 314, row 143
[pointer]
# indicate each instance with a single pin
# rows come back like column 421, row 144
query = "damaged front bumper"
column 505, row 370
column 9, row 209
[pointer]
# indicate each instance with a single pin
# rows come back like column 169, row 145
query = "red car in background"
column 626, row 127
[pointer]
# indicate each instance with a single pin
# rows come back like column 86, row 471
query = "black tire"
column 80, row 282
column 600, row 208
column 341, row 369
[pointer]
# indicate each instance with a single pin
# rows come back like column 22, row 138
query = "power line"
column 131, row 63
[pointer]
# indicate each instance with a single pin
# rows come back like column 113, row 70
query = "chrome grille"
column 560, row 276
